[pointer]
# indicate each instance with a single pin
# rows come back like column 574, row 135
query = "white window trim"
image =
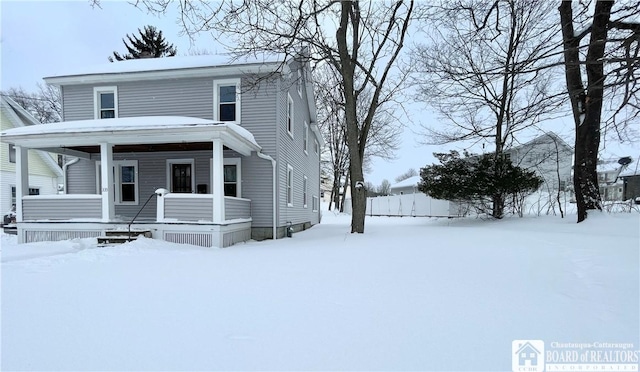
column 305, row 138
column 228, row 161
column 317, row 146
column 315, row 202
column 289, row 186
column 96, row 99
column 290, row 115
column 216, row 98
column 117, row 181
column 170, row 162
column 305, row 194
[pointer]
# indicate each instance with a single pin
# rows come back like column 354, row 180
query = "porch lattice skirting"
column 45, row 235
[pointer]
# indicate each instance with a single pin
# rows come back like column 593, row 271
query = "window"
column 125, row 179
column 305, row 137
column 106, row 102
column 180, row 175
column 314, row 205
column 232, row 176
column 226, row 97
column 299, row 82
column 290, row 115
column 304, row 192
column 12, row 153
column 563, row 185
column 32, row 191
column 316, row 146
column 289, row 185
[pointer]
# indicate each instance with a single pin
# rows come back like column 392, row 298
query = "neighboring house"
column 408, row 186
column 549, row 156
column 221, row 151
column 631, row 180
column 610, row 184
column 44, row 175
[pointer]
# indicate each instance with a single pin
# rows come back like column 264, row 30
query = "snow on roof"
column 168, row 63
column 409, row 182
column 125, row 124
column 633, row 169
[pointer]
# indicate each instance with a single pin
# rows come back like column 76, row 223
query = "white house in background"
column 408, row 186
column 549, row 156
column 45, row 175
column 203, row 150
column 610, row 182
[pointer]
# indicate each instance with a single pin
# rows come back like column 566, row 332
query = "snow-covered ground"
column 409, row 294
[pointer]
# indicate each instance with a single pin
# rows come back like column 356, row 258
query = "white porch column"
column 217, row 189
column 22, row 179
column 106, row 166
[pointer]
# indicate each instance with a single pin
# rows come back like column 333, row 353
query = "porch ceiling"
column 191, row 146
column 149, row 132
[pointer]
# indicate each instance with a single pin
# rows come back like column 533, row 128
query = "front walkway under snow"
column 409, row 294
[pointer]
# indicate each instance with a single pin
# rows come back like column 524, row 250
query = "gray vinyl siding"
column 61, row 209
column 81, row 177
column 236, row 208
column 291, row 152
column 77, row 102
column 177, row 97
column 189, row 209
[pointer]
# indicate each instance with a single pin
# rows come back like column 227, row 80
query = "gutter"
column 64, row 171
column 273, row 166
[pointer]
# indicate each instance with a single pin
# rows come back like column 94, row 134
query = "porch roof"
column 132, row 131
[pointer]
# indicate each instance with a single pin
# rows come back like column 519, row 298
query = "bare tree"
column 360, row 40
column 604, row 67
column 408, row 174
column 385, row 188
column 480, row 70
column 44, row 105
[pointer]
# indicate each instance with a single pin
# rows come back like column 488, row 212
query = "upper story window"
column 305, row 137
column 289, row 186
column 226, row 100
column 290, row 115
column 299, row 82
column 105, row 101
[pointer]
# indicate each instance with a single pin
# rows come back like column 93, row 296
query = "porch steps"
column 114, row 237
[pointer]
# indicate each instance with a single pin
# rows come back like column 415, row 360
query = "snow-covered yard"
column 409, row 294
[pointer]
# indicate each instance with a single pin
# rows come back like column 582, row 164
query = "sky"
column 42, row 38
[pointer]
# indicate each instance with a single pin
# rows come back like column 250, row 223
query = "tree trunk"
column 586, row 104
column 350, row 14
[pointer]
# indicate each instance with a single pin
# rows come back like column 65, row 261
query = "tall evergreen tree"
column 149, row 44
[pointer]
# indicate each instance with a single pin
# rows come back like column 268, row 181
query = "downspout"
column 64, row 172
column 275, row 207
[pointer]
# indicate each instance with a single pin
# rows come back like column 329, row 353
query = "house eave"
column 194, row 72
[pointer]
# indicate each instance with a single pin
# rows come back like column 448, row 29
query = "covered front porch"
column 138, row 173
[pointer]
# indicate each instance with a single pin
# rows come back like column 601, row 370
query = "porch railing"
column 61, row 207
column 235, row 208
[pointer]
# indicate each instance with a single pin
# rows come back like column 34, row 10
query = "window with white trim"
column 181, row 175
column 125, row 179
column 226, row 100
column 305, row 137
column 314, row 203
column 289, row 185
column 304, row 191
column 232, row 176
column 290, row 115
column 105, row 102
column 316, row 146
column 12, row 153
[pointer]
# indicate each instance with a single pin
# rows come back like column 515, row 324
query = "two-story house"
column 202, row 150
column 45, row 174
column 549, row 156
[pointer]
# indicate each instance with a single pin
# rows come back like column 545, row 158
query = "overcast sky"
column 41, row 38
